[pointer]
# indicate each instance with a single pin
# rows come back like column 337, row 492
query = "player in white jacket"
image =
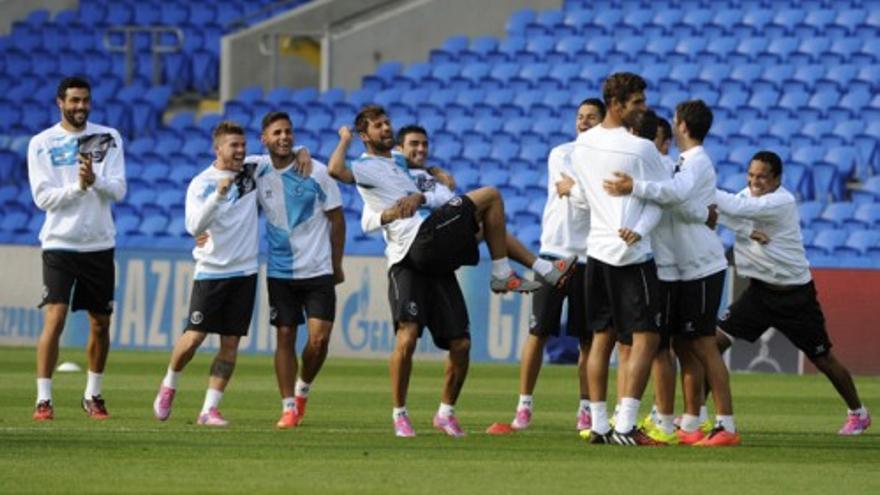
column 76, row 171
column 222, row 201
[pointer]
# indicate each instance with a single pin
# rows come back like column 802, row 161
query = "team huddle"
column 628, row 243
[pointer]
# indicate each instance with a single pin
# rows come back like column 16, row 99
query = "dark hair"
column 409, row 129
column 367, row 113
column 667, row 129
column 697, row 116
column 271, row 117
column 645, row 125
column 595, row 102
column 770, row 158
column 227, row 127
column 621, row 86
column 72, row 82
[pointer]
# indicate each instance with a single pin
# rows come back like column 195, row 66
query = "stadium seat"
column 868, row 192
column 827, row 240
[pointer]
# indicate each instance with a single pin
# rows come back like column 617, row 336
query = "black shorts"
column 447, row 239
column 434, row 301
column 547, row 307
column 794, row 312
column 223, row 306
column 91, row 277
column 624, row 299
column 689, row 308
column 288, row 298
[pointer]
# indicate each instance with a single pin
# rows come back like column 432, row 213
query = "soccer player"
column 305, row 229
column 76, row 170
column 565, row 222
column 412, row 143
column 621, row 277
column 691, row 266
column 781, row 294
column 423, row 252
column 222, row 201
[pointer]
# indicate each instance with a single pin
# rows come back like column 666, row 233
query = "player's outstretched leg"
column 285, row 372
column 313, row 356
column 530, row 367
column 181, row 355
column 457, row 363
column 400, row 369
column 47, row 357
column 221, row 373
column 858, row 420
column 490, row 213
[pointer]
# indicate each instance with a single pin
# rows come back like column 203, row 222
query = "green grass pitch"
column 346, row 444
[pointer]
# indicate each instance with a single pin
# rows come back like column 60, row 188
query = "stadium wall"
column 365, row 33
column 13, row 10
column 153, row 288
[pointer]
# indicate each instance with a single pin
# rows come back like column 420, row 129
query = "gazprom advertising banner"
column 152, row 302
column 153, row 289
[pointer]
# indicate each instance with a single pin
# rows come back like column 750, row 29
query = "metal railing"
column 157, row 47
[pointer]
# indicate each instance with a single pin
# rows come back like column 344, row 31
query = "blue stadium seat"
column 517, row 22
column 869, row 192
column 788, row 20
column 827, row 240
column 810, row 211
column 480, row 49
column 816, row 22
column 859, row 242
column 866, row 216
column 449, row 50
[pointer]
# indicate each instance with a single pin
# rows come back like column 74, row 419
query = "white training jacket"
column 566, row 221
column 685, row 248
column 76, row 220
column 598, row 153
column 783, row 260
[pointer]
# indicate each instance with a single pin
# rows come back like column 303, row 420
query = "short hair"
column 621, row 86
column 697, row 116
column 596, row 102
column 367, row 113
column 667, row 129
column 272, row 117
column 72, row 82
column 645, row 125
column 771, row 159
column 227, row 127
column 409, row 129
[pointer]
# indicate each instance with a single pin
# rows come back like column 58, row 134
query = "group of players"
column 627, row 239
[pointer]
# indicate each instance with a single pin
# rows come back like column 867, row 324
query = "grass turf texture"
column 346, row 443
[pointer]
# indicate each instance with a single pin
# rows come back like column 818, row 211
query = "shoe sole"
column 560, row 284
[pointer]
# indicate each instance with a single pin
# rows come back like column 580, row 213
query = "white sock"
column 542, row 267
column 398, row 412
column 93, row 384
column 170, row 379
column 302, row 388
column 212, row 399
column 626, row 420
column 44, row 389
column 501, row 268
column 666, row 423
column 584, row 405
column 288, row 404
column 654, row 414
column 726, row 422
column 862, row 411
column 599, row 412
column 446, row 410
column 525, row 401
column 704, row 414
column 689, row 422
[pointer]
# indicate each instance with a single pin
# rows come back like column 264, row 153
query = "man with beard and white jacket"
column 76, row 171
